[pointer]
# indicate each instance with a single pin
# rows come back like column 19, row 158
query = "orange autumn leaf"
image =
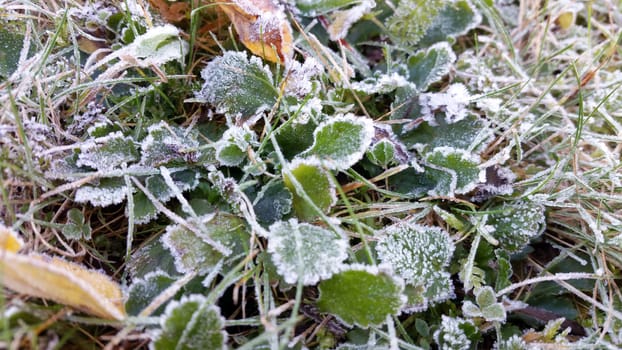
column 262, row 27
column 62, row 281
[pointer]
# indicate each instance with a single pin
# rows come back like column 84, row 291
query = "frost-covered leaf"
column 273, row 202
column 504, row 269
column 166, row 143
column 453, row 103
column 300, row 78
column 305, row 252
column 244, row 89
column 515, row 224
column 342, row 20
column 420, row 255
column 380, row 83
column 341, row 141
column 453, row 333
column 109, row 191
column 464, row 165
column 313, row 8
column 317, row 185
column 185, row 180
column 142, row 292
column 157, row 46
column 470, row 133
column 191, row 250
column 382, row 153
column 107, row 152
column 498, row 183
column 361, row 295
column 232, row 147
column 149, row 258
column 514, row 342
column 144, row 210
column 262, row 26
column 76, row 228
column 487, row 306
column 455, row 19
column 11, row 43
column 430, row 65
column 190, row 323
column 412, row 18
column 294, row 138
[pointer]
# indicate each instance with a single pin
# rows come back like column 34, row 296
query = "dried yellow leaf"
column 62, row 281
column 9, row 240
column 262, row 27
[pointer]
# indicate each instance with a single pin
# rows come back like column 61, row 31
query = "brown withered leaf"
column 262, row 27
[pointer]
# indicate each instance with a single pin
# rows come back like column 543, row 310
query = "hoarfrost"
column 451, row 335
column 419, row 255
column 305, row 252
column 109, row 192
column 341, row 141
column 380, row 83
column 453, row 102
column 108, row 152
column 299, row 77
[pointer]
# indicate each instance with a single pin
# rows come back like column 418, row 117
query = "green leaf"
column 316, row 183
column 76, row 228
column 109, row 191
column 430, row 65
column 231, row 148
column 361, row 295
column 515, row 224
column 192, row 252
column 166, row 143
column 504, row 270
column 382, row 153
column 11, row 44
column 494, row 312
column 158, row 45
column 419, row 254
column 305, row 252
column 462, row 165
column 412, row 18
column 341, row 141
column 273, row 202
column 485, row 297
column 151, row 257
column 455, row 19
column 314, row 8
column 144, row 210
column 191, row 324
column 107, row 152
column 142, row 292
column 244, row 87
column 469, row 133
column 294, row 138
column 185, row 180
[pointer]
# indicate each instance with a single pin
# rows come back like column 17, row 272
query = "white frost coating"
column 419, row 254
column 148, row 49
column 305, row 252
column 305, row 110
column 100, row 196
column 350, row 148
column 464, row 156
column 93, row 155
column 299, row 76
column 439, row 71
column 453, row 102
column 450, row 336
column 343, row 20
column 382, row 84
column 240, row 137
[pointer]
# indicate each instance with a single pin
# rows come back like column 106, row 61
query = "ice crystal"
column 451, row 335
